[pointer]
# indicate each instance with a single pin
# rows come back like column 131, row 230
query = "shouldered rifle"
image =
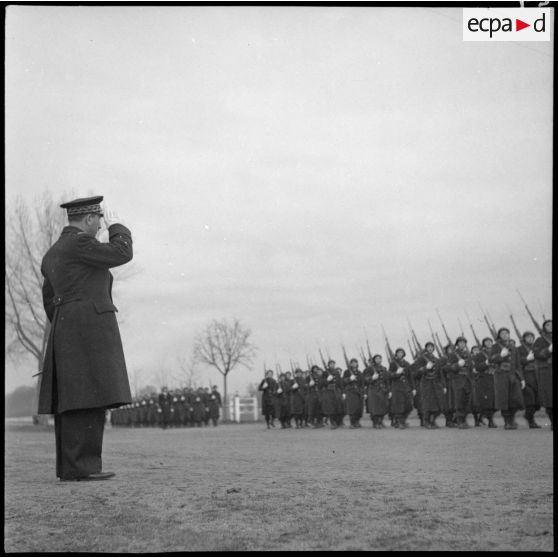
column 518, row 333
column 473, row 331
column 461, row 328
column 413, row 354
column 535, row 323
column 390, row 353
column 345, row 356
column 323, row 359
column 443, row 327
column 369, row 350
column 415, row 338
column 363, row 357
column 491, row 329
column 436, row 341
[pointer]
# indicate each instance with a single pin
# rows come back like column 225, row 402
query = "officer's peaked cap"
column 82, row 206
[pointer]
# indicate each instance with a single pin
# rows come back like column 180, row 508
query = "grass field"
column 244, row 488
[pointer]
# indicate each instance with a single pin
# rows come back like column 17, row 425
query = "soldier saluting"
column 84, row 371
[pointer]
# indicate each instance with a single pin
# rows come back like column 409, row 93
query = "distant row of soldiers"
column 171, row 408
column 497, row 375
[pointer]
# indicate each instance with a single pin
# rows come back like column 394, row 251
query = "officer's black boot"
column 491, row 423
column 476, row 416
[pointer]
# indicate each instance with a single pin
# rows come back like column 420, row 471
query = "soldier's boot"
column 433, row 424
column 422, row 421
column 513, row 424
column 506, row 421
column 530, row 417
column 426, row 421
column 449, row 421
column 491, row 423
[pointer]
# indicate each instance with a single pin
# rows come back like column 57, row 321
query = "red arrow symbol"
column 519, row 25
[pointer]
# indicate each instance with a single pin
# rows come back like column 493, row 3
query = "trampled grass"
column 244, row 488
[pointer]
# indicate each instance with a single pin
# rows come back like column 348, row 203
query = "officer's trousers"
column 79, row 442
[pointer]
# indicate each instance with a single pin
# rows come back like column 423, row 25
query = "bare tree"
column 30, row 231
column 224, row 345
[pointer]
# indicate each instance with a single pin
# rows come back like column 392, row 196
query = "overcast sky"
column 313, row 172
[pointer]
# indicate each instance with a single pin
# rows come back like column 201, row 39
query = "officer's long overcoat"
column 84, row 364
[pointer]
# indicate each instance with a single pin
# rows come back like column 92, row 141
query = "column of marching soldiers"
column 171, row 408
column 453, row 381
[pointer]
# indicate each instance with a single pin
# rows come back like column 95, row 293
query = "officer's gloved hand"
column 530, row 356
column 550, row 347
column 399, row 371
column 461, row 362
column 111, row 217
column 429, row 366
column 522, row 384
column 504, row 352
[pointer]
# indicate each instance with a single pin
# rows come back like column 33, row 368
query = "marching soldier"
column 446, row 368
column 432, row 385
column 268, row 386
column 165, row 404
column 282, row 401
column 485, row 381
column 531, row 391
column 352, row 379
column 214, row 405
column 508, row 378
column 402, row 389
column 332, row 401
column 542, row 350
column 316, row 385
column 462, row 383
column 296, row 400
column 377, row 384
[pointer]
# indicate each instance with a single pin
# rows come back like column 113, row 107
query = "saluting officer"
column 84, row 370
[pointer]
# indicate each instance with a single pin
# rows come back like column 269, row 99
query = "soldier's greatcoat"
column 84, row 357
column 401, row 385
column 507, row 388
column 432, row 384
column 377, row 390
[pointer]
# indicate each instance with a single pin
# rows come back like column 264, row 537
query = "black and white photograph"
column 278, row 278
